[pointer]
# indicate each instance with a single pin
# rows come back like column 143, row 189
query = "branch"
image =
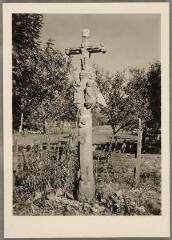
column 122, row 127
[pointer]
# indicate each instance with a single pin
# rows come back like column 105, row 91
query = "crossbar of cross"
column 90, row 49
column 84, row 45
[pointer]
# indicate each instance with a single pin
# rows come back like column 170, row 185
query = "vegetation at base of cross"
column 47, row 185
column 39, row 170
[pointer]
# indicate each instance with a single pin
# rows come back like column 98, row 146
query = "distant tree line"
column 42, row 89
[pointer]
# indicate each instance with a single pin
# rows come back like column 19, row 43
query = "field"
column 46, row 179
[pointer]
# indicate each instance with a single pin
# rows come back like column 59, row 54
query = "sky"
column 131, row 40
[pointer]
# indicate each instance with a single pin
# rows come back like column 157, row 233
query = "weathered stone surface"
column 85, row 97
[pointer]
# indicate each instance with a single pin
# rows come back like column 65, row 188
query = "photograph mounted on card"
column 86, row 120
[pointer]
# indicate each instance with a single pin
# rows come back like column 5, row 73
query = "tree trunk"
column 44, row 125
column 15, row 158
column 144, row 137
column 21, row 124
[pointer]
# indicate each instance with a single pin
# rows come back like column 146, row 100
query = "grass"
column 101, row 134
column 46, row 185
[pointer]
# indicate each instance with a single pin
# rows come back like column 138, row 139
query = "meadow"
column 46, row 178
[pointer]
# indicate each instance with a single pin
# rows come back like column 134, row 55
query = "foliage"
column 129, row 201
column 51, row 86
column 43, row 92
column 26, row 30
column 98, row 118
column 25, row 39
column 118, row 192
column 137, row 95
column 154, row 94
column 137, row 101
column 41, row 88
column 46, row 186
column 111, row 86
column 38, row 172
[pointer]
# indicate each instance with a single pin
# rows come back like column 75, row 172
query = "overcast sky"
column 131, row 40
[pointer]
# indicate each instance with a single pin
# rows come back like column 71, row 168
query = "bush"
column 129, row 201
column 36, row 173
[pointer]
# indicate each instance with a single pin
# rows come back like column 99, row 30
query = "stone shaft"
column 86, row 184
column 85, row 97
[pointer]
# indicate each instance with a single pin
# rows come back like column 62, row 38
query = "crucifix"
column 85, row 97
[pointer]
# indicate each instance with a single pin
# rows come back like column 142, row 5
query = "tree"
column 144, row 93
column 137, row 100
column 51, row 94
column 133, row 97
column 41, row 88
column 25, row 39
column 112, row 87
column 154, row 93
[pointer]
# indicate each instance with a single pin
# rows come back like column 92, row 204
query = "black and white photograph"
column 86, row 127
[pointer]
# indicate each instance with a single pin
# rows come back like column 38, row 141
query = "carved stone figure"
column 85, row 97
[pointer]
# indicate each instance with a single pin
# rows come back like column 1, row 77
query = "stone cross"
column 85, row 97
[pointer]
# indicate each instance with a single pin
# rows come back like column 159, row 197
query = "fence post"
column 96, row 166
column 139, row 148
column 15, row 157
column 21, row 124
